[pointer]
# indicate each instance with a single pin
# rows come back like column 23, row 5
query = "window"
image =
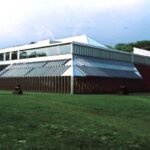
column 14, row 55
column 1, row 57
column 46, row 51
column 7, row 56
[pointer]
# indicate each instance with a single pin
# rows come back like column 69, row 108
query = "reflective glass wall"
column 46, row 51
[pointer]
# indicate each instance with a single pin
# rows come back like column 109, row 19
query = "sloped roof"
column 32, row 69
column 79, row 66
column 140, row 51
column 82, row 39
column 89, row 66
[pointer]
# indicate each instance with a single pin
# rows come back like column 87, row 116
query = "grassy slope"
column 50, row 121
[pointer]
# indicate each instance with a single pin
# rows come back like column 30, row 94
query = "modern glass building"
column 72, row 65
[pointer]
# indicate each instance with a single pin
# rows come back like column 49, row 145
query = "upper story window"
column 14, row 55
column 1, row 57
column 7, row 56
column 46, row 51
column 32, row 53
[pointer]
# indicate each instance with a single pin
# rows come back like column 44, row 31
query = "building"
column 72, row 65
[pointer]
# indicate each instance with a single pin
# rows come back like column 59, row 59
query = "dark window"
column 1, row 57
column 14, row 55
column 7, row 56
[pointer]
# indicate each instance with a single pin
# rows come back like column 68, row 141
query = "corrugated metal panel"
column 103, row 63
column 106, row 85
column 101, row 53
column 56, row 63
column 148, row 60
column 50, row 68
column 3, row 67
column 48, row 71
column 55, row 84
column 91, row 71
column 86, row 50
column 27, row 65
column 145, row 72
column 16, row 72
column 106, row 68
column 139, row 59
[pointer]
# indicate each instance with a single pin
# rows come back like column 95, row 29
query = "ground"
column 89, row 122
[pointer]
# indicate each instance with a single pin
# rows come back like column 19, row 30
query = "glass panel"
column 33, row 53
column 7, row 56
column 65, row 49
column 1, row 57
column 14, row 55
column 47, row 51
column 51, row 51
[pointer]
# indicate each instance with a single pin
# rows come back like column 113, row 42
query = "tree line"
column 145, row 44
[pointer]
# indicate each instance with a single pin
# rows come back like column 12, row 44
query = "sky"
column 107, row 21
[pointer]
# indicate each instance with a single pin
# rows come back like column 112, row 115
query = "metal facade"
column 103, row 70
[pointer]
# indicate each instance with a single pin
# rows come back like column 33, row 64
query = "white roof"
column 82, row 39
column 140, row 51
column 27, row 46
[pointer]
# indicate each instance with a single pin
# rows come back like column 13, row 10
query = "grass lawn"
column 91, row 122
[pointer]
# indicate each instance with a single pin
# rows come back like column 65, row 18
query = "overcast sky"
column 107, row 21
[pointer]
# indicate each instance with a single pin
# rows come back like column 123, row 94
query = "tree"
column 143, row 44
column 129, row 46
column 124, row 47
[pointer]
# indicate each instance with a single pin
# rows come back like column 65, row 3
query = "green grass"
column 90, row 122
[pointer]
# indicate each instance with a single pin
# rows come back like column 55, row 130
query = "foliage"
column 143, row 44
column 85, row 122
column 129, row 47
column 124, row 47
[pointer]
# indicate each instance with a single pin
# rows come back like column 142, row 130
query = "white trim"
column 31, row 46
column 37, row 59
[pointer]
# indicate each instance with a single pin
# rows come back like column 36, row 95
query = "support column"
column 4, row 57
column 10, row 56
column 18, row 55
column 72, row 73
